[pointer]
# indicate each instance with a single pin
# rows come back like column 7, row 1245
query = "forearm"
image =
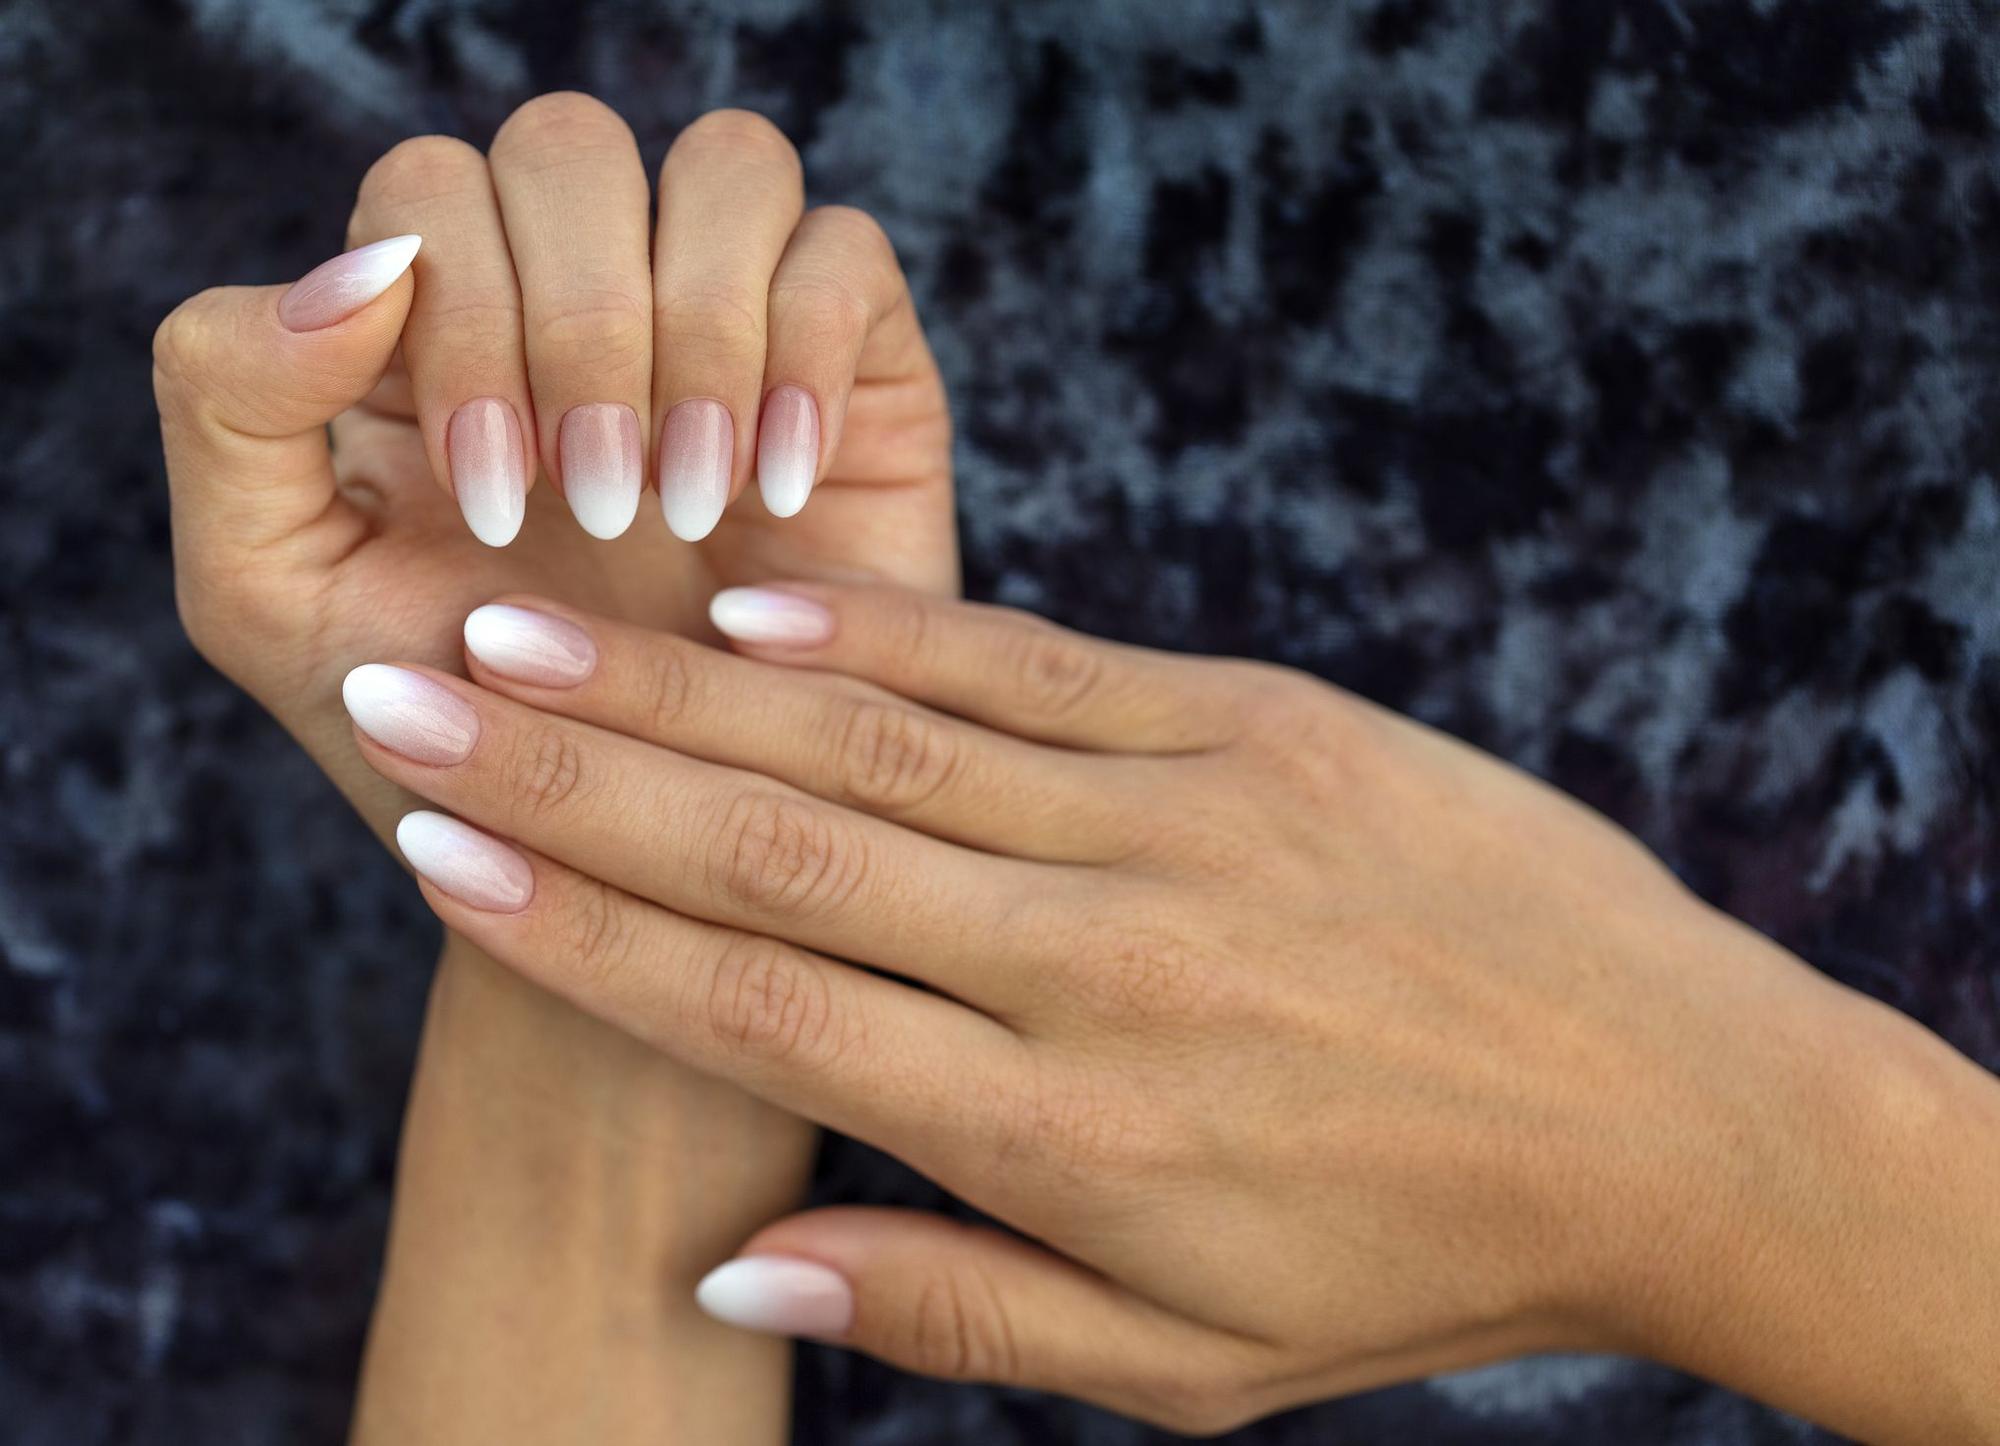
column 1848, row 1267
column 560, row 1189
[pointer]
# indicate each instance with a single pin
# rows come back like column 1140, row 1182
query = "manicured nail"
column 410, row 714
column 787, row 449
column 778, row 1294
column 334, row 290
column 697, row 448
column 760, row 615
column 602, row 466
column 483, row 446
column 473, row 867
column 530, row 647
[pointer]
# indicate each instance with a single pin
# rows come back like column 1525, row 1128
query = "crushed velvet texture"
column 1612, row 384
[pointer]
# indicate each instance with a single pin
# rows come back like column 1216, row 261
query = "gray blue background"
column 1612, row 384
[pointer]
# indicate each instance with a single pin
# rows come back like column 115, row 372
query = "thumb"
column 968, row 1303
column 247, row 377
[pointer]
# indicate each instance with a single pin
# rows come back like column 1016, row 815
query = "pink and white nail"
column 473, row 867
column 529, row 646
column 410, row 714
column 488, row 475
column 779, row 1294
column 765, row 615
column 336, row 289
column 787, row 449
column 697, row 451
column 602, row 466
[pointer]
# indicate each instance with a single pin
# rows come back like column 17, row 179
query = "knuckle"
column 669, row 690
column 779, row 855
column 894, row 760
column 600, row 938
column 959, row 1329
column 604, row 327
column 821, row 309
column 770, row 1002
column 1054, row 675
column 1150, row 974
column 737, row 134
column 725, row 320
column 184, row 341
column 559, row 122
column 545, row 771
column 855, row 230
column 421, row 168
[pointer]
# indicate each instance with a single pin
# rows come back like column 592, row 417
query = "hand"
column 532, row 296
column 1317, row 1050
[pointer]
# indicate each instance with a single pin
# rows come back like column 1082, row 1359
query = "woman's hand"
column 1318, row 1050
column 542, row 328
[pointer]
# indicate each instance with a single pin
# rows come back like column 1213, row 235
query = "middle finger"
column 573, row 193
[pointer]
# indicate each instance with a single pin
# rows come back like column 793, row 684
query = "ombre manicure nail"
column 697, row 449
column 778, row 1294
column 334, row 290
column 410, row 714
column 602, row 466
column 763, row 615
column 483, row 447
column 787, row 449
column 473, row 867
column 530, row 647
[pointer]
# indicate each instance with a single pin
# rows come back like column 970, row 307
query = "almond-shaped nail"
column 334, row 290
column 778, row 1294
column 764, row 615
column 602, row 466
column 473, row 867
column 410, row 714
column 483, row 447
column 697, row 449
column 787, row 449
column 530, row 647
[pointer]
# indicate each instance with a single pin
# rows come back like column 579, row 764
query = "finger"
column 462, row 344
column 967, row 1303
column 731, row 191
column 247, row 379
column 573, row 194
column 1006, row 669
column 838, row 1045
column 837, row 282
column 845, row 742
column 713, row 842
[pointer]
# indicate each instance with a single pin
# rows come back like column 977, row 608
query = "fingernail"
column 409, row 714
column 761, row 615
column 334, row 290
column 601, row 466
column 530, row 647
column 787, row 449
column 778, row 1294
column 473, row 867
column 483, row 447
column 697, row 448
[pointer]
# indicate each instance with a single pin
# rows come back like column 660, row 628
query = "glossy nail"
column 334, row 290
column 602, row 466
column 778, row 1294
column 530, row 647
column 787, row 449
column 410, row 714
column 473, row 867
column 763, row 615
column 697, row 448
column 483, row 447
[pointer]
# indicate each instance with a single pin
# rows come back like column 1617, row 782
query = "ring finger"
column 731, row 192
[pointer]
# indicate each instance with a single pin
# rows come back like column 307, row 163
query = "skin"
column 1308, row 1049
column 541, row 1142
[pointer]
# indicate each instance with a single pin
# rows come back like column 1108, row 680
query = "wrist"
column 1834, row 1251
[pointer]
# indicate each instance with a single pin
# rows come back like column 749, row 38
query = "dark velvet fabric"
column 1611, row 384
